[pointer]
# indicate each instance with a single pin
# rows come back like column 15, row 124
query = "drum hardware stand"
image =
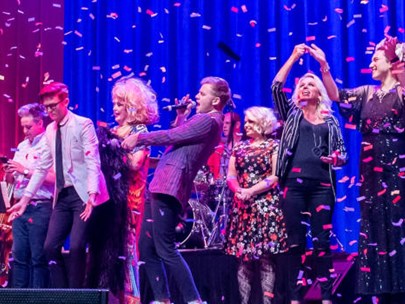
column 222, row 219
column 200, row 224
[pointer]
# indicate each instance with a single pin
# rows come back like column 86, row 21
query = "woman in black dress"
column 378, row 112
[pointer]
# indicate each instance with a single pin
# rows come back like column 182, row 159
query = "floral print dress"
column 256, row 227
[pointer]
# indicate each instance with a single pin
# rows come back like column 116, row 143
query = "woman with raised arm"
column 378, row 112
column 311, row 148
column 256, row 225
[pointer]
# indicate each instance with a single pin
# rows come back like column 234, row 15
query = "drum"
column 195, row 226
column 203, row 179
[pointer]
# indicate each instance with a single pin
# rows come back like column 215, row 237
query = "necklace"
column 381, row 93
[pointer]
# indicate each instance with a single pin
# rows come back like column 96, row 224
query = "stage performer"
column 72, row 148
column 191, row 142
column 30, row 268
column 378, row 112
column 218, row 161
column 134, row 107
column 256, row 226
column 311, row 148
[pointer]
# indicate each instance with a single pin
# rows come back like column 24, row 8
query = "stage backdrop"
column 31, row 52
column 173, row 44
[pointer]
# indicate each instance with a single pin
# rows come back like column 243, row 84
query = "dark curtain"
column 31, row 36
column 173, row 44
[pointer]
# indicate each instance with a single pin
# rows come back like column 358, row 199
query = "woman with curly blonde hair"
column 134, row 107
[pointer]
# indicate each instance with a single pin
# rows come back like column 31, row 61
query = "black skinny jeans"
column 317, row 199
column 158, row 249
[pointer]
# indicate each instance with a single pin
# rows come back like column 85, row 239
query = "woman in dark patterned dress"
column 378, row 112
column 256, row 227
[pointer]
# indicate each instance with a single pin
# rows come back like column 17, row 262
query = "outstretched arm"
column 281, row 101
column 282, row 74
column 327, row 78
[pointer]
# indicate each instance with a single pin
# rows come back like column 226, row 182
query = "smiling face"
column 251, row 126
column 380, row 66
column 119, row 111
column 307, row 90
column 205, row 99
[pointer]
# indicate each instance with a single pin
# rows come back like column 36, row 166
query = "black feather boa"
column 109, row 221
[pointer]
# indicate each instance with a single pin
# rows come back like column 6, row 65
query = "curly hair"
column 139, row 99
column 324, row 108
column 37, row 111
column 264, row 118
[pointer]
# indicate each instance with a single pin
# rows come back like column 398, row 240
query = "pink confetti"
column 327, row 226
column 253, row 23
column 383, row 8
column 350, row 126
column 396, row 199
column 382, row 192
column 341, row 199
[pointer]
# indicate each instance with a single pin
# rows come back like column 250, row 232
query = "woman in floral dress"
column 256, row 227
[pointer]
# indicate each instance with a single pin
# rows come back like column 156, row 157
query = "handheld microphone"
column 180, row 106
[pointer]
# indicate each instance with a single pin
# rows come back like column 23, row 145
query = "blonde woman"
column 134, row 107
column 311, row 147
column 256, row 226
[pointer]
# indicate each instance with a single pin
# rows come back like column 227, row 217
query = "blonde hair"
column 139, row 100
column 264, row 118
column 324, row 108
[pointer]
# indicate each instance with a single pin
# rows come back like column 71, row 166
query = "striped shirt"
column 292, row 116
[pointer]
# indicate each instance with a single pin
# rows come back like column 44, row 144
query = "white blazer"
column 80, row 145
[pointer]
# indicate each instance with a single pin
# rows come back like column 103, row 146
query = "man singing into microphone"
column 191, row 142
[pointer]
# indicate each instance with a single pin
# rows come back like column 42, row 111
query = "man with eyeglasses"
column 72, row 149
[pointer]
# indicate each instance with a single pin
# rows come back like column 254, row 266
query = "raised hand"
column 389, row 46
column 299, row 50
column 317, row 53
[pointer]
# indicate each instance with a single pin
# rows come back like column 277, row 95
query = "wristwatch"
column 26, row 172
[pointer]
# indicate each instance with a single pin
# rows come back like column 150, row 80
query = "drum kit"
column 203, row 223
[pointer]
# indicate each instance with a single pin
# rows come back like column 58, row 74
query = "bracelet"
column 325, row 68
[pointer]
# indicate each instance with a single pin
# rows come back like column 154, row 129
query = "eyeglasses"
column 52, row 106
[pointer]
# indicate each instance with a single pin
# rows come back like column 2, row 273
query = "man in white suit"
column 80, row 185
